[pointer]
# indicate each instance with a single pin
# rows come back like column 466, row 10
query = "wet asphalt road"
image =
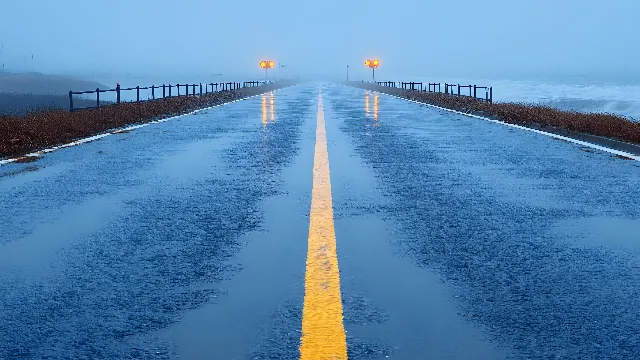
column 456, row 238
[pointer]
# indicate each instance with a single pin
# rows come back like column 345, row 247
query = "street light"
column 373, row 64
column 266, row 65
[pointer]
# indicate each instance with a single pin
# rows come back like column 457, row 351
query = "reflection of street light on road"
column 271, row 111
column 375, row 109
column 264, row 109
column 373, row 64
column 366, row 104
column 266, row 65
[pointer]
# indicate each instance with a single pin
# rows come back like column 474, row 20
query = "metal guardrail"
column 451, row 89
column 188, row 90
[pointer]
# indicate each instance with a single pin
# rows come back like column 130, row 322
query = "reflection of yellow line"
column 323, row 335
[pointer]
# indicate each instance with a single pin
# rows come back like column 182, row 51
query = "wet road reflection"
column 263, row 97
column 456, row 238
column 366, row 103
column 162, row 212
column 375, row 109
column 500, row 217
column 268, row 114
column 272, row 103
column 371, row 112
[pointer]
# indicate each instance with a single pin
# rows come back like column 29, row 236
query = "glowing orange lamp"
column 373, row 64
column 266, row 65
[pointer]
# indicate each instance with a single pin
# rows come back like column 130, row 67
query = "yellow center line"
column 323, row 335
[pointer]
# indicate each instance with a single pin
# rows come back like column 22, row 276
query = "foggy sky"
column 411, row 38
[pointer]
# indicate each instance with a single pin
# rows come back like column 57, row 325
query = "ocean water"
column 584, row 95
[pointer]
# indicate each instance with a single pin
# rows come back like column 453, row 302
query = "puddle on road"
column 611, row 232
column 37, row 249
column 417, row 312
column 25, row 169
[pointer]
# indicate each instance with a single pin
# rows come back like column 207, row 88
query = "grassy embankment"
column 570, row 123
column 20, row 135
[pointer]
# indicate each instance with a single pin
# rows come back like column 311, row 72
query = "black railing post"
column 97, row 97
column 164, row 91
column 178, row 89
column 469, row 90
column 458, row 89
column 137, row 93
column 153, row 92
column 70, row 100
column 491, row 95
column 118, row 93
column 170, row 87
column 200, row 89
column 474, row 91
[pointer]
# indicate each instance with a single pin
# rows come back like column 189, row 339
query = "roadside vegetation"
column 599, row 124
column 20, row 135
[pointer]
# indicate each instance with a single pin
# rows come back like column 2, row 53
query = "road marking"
column 323, row 335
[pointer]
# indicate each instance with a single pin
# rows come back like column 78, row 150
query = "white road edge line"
column 579, row 142
column 116, row 131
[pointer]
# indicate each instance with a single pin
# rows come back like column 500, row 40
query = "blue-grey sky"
column 410, row 37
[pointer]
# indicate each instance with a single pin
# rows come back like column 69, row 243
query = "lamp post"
column 266, row 65
column 373, row 64
column 347, row 72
